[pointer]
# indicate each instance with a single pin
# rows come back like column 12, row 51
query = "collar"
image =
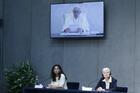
column 110, row 80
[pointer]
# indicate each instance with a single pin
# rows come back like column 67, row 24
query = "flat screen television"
column 77, row 20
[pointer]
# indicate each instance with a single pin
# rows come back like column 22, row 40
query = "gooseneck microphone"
column 92, row 82
column 40, row 82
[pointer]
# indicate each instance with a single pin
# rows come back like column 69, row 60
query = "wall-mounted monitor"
column 77, row 20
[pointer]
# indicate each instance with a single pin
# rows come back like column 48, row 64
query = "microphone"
column 45, row 80
column 38, row 84
column 92, row 82
column 88, row 88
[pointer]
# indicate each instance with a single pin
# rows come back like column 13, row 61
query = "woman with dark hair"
column 107, row 82
column 58, row 78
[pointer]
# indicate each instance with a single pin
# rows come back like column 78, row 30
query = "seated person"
column 76, row 22
column 58, row 78
column 107, row 82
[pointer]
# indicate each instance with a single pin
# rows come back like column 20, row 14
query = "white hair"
column 106, row 69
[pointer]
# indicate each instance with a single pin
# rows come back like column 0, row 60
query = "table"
column 45, row 90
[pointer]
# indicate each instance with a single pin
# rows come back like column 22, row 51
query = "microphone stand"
column 40, row 82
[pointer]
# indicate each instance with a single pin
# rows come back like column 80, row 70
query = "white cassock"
column 73, row 24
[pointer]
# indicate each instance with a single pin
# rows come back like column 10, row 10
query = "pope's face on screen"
column 56, row 70
column 76, row 12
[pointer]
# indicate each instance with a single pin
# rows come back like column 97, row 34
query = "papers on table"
column 39, row 86
column 86, row 88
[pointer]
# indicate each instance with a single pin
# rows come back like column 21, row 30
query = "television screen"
column 77, row 20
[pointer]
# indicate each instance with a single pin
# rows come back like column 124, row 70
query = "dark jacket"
column 102, row 84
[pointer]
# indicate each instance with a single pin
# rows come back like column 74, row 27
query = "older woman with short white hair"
column 107, row 82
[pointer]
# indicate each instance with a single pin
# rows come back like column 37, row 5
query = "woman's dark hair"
column 53, row 75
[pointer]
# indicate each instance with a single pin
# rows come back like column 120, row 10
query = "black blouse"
column 102, row 84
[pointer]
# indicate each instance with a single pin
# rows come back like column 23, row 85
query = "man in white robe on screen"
column 76, row 22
